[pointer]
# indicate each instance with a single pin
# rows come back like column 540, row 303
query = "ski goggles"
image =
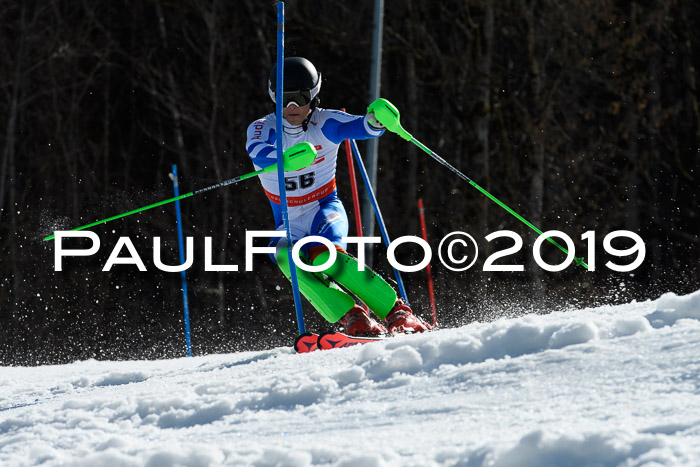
column 300, row 98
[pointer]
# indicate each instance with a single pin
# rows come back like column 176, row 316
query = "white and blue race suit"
column 312, row 199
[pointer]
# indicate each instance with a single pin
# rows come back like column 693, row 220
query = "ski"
column 307, row 342
column 310, row 342
column 337, row 340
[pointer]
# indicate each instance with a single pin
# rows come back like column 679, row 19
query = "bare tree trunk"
column 482, row 116
column 8, row 152
column 170, row 97
column 410, row 194
column 214, row 39
column 536, row 126
column 655, row 165
column 633, row 212
column 8, row 157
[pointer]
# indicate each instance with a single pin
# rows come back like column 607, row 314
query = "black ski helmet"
column 302, row 82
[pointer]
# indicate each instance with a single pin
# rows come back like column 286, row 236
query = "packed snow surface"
column 617, row 385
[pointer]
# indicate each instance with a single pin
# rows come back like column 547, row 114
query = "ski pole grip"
column 389, row 116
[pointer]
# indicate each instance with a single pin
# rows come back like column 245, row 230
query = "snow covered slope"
column 607, row 386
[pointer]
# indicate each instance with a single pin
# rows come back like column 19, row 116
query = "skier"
column 314, row 207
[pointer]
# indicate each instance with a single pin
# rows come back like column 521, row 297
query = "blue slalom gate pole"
column 380, row 219
column 280, row 164
column 183, row 275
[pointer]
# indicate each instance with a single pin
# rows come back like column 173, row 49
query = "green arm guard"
column 297, row 157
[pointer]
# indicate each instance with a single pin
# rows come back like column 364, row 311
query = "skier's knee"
column 316, row 250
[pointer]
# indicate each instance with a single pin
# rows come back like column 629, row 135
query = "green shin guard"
column 328, row 299
column 372, row 289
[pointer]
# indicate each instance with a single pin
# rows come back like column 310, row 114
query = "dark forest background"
column 580, row 115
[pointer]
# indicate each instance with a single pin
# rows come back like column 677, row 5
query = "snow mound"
column 671, row 308
column 593, row 449
column 614, row 385
column 115, row 379
column 509, row 338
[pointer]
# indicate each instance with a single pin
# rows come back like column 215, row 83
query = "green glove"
column 299, row 156
column 388, row 115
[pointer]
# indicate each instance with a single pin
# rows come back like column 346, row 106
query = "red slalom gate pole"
column 353, row 185
column 421, row 213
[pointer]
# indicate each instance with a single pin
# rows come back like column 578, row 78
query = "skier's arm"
column 260, row 144
column 340, row 126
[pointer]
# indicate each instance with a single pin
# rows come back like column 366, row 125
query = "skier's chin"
column 295, row 120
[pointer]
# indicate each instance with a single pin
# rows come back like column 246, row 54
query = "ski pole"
column 389, row 116
column 294, row 159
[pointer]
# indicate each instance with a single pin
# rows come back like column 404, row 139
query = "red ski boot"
column 402, row 319
column 357, row 322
